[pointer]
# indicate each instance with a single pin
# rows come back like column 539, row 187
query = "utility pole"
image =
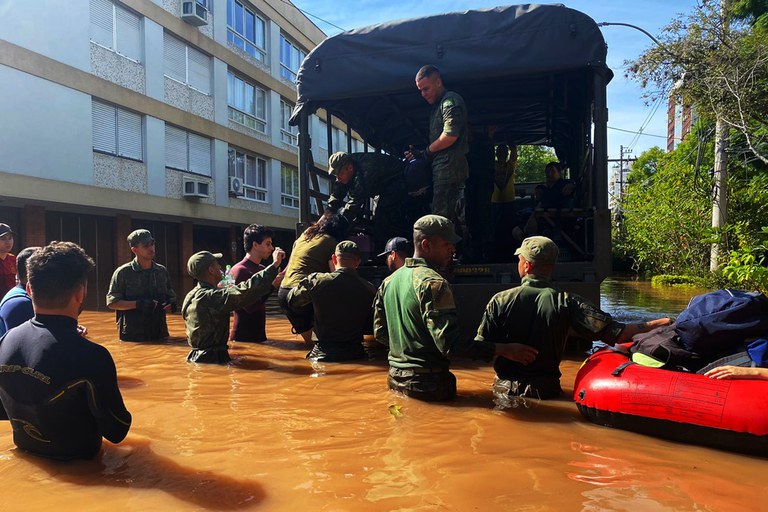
column 720, row 192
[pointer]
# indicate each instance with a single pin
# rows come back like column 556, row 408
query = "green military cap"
column 348, row 247
column 200, row 261
column 337, row 161
column 538, row 249
column 437, row 225
column 140, row 236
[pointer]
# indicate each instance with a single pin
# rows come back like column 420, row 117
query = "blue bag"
column 720, row 321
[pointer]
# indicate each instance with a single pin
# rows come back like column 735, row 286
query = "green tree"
column 531, row 161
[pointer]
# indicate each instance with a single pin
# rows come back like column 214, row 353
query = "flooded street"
column 270, row 432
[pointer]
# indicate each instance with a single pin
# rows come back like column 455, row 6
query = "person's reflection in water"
column 134, row 465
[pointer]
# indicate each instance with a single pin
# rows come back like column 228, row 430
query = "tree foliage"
column 531, row 161
column 717, row 60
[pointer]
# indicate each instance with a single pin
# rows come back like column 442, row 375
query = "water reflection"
column 627, row 298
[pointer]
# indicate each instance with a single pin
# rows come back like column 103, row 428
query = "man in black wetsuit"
column 58, row 389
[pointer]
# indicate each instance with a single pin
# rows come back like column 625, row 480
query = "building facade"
column 170, row 115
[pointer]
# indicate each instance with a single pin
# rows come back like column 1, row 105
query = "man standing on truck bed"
column 448, row 146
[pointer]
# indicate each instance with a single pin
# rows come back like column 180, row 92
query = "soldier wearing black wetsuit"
column 59, row 390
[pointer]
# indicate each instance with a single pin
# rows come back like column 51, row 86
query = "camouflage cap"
column 337, row 161
column 348, row 247
column 538, row 249
column 200, row 261
column 140, row 236
column 436, row 225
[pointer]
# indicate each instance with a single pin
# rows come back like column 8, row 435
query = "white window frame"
column 259, row 190
column 125, row 30
column 195, row 150
column 289, row 198
column 289, row 68
column 339, row 141
column 288, row 134
column 239, row 114
column 322, row 143
column 193, row 65
column 235, row 37
column 117, row 132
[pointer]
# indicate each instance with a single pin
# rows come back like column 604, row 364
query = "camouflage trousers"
column 448, row 201
column 439, row 386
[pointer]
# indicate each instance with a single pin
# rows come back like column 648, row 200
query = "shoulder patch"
column 447, row 102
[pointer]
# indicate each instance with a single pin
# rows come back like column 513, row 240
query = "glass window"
column 291, row 57
column 247, row 103
column 289, row 186
column 252, row 170
column 288, row 133
column 246, row 30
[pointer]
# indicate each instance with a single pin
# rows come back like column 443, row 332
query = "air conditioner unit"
column 195, row 188
column 194, row 12
column 236, row 186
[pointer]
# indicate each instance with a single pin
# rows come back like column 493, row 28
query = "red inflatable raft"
column 610, row 390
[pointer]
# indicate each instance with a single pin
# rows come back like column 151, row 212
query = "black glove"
column 423, row 154
column 145, row 305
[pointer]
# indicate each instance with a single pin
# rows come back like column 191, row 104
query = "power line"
column 313, row 15
column 639, row 133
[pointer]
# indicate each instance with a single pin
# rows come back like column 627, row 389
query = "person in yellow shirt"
column 503, row 199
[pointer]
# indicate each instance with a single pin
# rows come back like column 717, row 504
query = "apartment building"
column 170, row 115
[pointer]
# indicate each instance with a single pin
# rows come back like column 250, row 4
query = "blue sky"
column 627, row 109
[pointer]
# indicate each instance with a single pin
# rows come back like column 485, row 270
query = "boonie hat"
column 437, row 225
column 337, row 161
column 140, row 236
column 396, row 244
column 348, row 247
column 200, row 261
column 5, row 229
column 538, row 249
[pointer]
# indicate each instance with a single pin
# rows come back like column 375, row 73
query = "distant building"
column 170, row 115
column 680, row 119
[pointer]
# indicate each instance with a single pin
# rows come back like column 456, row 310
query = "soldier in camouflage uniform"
column 140, row 293
column 362, row 176
column 447, row 148
column 415, row 315
column 537, row 314
column 342, row 303
column 206, row 308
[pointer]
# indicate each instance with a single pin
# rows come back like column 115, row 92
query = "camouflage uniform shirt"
column 131, row 282
column 206, row 313
column 449, row 115
column 415, row 314
column 375, row 174
column 343, row 305
column 543, row 317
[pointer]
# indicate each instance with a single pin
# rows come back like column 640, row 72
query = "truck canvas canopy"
column 526, row 69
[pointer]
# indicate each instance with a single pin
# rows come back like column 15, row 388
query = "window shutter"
column 129, row 136
column 199, row 154
column 175, row 148
column 101, row 23
column 104, row 134
column 199, row 71
column 128, row 34
column 175, row 57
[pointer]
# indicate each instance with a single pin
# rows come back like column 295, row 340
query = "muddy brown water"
column 270, row 432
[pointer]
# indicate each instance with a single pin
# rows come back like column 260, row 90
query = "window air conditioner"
column 236, row 186
column 195, row 188
column 194, row 12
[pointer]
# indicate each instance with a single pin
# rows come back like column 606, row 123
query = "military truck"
column 537, row 73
